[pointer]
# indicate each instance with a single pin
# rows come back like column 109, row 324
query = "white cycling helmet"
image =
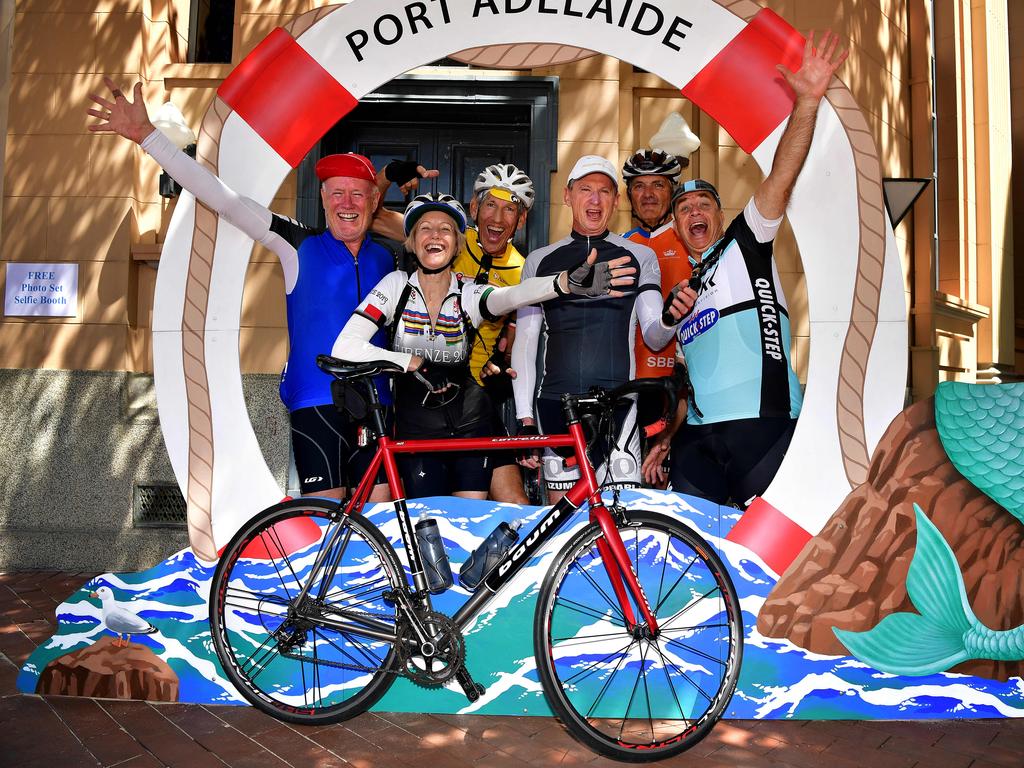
column 651, row 162
column 508, row 178
column 434, row 201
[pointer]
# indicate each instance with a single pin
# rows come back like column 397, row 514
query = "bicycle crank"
column 433, row 657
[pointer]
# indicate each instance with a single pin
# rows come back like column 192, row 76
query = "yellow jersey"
column 504, row 270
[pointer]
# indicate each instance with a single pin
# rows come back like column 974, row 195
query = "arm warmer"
column 534, row 290
column 648, row 316
column 524, row 358
column 353, row 344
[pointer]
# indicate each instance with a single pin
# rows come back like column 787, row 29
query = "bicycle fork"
column 622, row 576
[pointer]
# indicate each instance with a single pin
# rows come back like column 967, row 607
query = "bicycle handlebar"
column 598, row 397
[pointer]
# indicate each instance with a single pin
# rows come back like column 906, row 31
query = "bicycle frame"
column 586, row 490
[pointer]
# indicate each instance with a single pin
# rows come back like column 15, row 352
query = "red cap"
column 350, row 164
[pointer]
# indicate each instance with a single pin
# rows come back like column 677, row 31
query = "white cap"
column 592, row 164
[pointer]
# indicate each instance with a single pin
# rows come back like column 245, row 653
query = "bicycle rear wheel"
column 630, row 695
column 279, row 655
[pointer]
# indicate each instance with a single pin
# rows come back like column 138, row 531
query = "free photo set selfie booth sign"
column 722, row 56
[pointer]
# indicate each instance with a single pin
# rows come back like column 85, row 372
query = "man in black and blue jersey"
column 589, row 342
column 735, row 343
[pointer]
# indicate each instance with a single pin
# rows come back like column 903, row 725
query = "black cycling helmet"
column 651, row 162
column 434, row 201
column 695, row 185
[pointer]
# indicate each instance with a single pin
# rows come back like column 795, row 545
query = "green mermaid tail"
column 982, row 430
column 944, row 632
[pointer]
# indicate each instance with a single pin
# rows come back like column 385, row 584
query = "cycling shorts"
column 618, row 463
column 326, row 452
column 729, row 462
column 442, row 474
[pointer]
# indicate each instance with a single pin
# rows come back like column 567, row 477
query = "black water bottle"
column 487, row 555
column 435, row 559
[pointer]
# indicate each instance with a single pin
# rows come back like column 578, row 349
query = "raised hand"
column 819, row 65
column 119, row 115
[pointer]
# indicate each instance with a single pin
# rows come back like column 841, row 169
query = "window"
column 211, row 29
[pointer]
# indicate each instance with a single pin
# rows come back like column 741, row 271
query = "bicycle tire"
column 607, row 685
column 300, row 671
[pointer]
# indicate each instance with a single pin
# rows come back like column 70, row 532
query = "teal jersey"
column 736, row 341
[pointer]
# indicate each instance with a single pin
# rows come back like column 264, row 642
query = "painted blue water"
column 778, row 679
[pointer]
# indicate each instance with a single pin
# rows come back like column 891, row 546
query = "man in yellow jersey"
column 502, row 198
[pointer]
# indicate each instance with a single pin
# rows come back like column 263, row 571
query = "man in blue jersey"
column 736, row 340
column 327, row 272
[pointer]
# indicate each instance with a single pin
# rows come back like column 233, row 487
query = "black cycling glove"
column 433, row 377
column 498, row 385
column 666, row 316
column 401, row 171
column 587, row 280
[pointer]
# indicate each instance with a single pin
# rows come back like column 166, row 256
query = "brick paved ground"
column 61, row 732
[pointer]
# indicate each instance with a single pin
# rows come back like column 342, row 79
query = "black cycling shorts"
column 442, row 474
column 326, row 453
column 729, row 462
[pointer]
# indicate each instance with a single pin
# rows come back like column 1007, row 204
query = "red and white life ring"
column 301, row 80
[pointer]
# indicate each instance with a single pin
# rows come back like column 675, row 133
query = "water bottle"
column 435, row 559
column 487, row 555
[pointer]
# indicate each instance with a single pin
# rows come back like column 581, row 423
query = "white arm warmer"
column 648, row 315
column 353, row 344
column 524, row 358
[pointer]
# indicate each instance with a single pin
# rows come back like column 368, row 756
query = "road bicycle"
column 637, row 632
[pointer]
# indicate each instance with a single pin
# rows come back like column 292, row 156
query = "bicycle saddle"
column 345, row 370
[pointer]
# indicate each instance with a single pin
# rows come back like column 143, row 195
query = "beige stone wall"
column 69, row 195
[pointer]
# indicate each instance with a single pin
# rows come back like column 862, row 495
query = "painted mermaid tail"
column 982, row 430
column 944, row 632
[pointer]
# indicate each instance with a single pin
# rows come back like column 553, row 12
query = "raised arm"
column 809, row 83
column 130, row 119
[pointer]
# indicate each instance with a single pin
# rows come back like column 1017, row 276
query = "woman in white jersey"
column 432, row 318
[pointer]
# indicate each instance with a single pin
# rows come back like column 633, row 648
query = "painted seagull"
column 120, row 621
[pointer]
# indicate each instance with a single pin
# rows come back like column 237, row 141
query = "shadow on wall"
column 75, row 445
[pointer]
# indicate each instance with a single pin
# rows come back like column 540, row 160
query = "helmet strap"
column 427, row 270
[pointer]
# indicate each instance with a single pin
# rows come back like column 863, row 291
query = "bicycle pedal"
column 470, row 687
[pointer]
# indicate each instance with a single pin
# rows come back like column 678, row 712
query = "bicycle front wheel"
column 635, row 695
column 277, row 651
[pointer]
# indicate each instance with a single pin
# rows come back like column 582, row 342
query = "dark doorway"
column 458, row 127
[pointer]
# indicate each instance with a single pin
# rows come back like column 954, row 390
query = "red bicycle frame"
column 586, row 490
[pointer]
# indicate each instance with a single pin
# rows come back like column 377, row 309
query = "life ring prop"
column 299, row 81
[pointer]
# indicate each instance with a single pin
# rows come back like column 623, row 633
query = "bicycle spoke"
column 568, row 642
column 594, row 666
column 582, row 609
column 650, row 697
column 668, row 681
column 695, row 651
column 613, row 604
column 277, row 653
column 607, row 683
column 688, row 606
column 678, row 581
column 334, row 559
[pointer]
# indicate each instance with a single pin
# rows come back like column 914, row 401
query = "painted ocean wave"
column 778, row 679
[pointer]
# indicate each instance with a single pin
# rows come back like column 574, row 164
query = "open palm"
column 817, row 68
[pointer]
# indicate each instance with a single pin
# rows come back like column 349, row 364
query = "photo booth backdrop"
column 301, row 80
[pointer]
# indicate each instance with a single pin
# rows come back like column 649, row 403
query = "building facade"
column 87, row 479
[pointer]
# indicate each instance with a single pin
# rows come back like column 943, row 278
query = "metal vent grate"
column 159, row 506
